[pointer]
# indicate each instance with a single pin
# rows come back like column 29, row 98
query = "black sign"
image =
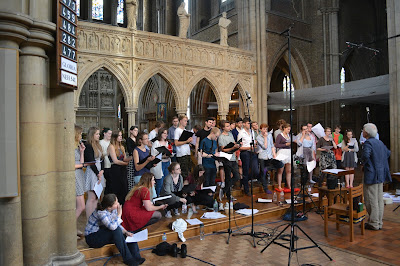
column 70, row 3
column 67, row 43
column 68, row 52
column 68, row 27
column 68, row 39
column 68, row 14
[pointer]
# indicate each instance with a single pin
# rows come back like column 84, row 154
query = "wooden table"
column 330, row 194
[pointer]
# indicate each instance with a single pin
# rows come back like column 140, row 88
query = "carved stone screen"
column 98, row 102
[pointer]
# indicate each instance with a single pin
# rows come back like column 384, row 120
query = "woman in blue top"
column 140, row 153
column 306, row 149
column 104, row 227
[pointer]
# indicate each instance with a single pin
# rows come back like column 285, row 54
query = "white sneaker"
column 168, row 214
column 312, row 181
column 176, row 212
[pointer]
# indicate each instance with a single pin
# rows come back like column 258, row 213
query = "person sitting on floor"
column 173, row 185
column 201, row 197
column 104, row 227
column 139, row 211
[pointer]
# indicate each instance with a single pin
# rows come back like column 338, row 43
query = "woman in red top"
column 138, row 210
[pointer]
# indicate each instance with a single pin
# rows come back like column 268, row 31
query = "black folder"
column 186, row 135
column 164, row 150
column 189, row 188
column 152, row 163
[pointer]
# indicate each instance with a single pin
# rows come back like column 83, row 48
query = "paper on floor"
column 139, row 236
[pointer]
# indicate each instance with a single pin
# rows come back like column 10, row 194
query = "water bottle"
column 275, row 197
column 164, row 237
column 202, row 232
column 215, row 206
column 282, row 196
column 184, row 208
column 309, row 189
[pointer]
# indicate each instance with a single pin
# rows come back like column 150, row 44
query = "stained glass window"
column 78, row 7
column 120, row 12
column 97, row 9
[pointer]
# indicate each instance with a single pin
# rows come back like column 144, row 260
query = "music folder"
column 186, row 135
column 164, row 150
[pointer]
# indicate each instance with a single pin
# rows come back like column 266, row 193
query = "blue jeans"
column 209, row 175
column 129, row 251
column 249, row 161
column 159, row 185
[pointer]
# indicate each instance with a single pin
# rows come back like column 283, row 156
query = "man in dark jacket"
column 376, row 171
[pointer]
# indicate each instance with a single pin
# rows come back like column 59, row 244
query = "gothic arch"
column 300, row 73
column 165, row 74
column 88, row 70
column 212, row 81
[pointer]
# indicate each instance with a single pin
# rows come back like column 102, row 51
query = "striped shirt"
column 103, row 218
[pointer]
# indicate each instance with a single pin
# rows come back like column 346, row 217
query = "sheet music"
column 311, row 165
column 318, row 130
column 194, row 221
column 98, row 188
column 139, row 236
column 260, row 200
column 225, row 155
column 161, row 198
column 212, row 188
column 333, row 171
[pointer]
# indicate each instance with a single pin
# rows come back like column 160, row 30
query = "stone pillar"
column 170, row 18
column 222, row 115
column 393, row 25
column 146, row 15
column 131, row 116
column 40, row 224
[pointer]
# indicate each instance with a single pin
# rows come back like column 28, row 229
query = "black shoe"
column 141, row 260
column 370, row 227
column 174, row 250
column 183, row 251
column 131, row 262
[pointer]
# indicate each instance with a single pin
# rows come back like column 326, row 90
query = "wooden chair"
column 346, row 209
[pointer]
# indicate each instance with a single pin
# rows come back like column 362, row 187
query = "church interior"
column 143, row 61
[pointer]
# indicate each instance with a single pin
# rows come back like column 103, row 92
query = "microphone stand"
column 251, row 233
column 292, row 223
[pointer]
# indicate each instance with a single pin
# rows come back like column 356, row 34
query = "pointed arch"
column 110, row 66
column 300, row 73
column 166, row 74
column 211, row 80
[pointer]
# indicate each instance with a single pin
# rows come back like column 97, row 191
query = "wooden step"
column 266, row 211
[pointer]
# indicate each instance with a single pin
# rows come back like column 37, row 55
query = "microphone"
column 248, row 96
column 288, row 29
column 367, row 108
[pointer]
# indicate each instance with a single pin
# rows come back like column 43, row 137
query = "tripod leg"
column 396, row 208
column 275, row 238
column 309, row 238
column 291, row 242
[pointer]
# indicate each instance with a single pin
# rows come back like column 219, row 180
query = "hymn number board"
column 67, row 67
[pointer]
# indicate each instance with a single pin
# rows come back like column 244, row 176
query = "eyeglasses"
column 176, row 169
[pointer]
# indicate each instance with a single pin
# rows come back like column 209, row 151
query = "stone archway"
column 110, row 66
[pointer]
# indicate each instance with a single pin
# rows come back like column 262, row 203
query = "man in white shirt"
column 153, row 134
column 182, row 147
column 247, row 155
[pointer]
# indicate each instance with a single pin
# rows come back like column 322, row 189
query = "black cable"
column 206, row 262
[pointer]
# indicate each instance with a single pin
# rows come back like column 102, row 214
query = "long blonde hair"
column 78, row 133
column 98, row 151
column 145, row 181
column 117, row 145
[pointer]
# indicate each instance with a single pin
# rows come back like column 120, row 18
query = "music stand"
column 292, row 223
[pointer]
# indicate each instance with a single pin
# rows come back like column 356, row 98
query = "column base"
column 74, row 259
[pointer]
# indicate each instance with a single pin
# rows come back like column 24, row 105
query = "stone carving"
column 131, row 12
column 93, row 41
column 139, row 48
column 184, row 20
column 82, row 39
column 223, row 28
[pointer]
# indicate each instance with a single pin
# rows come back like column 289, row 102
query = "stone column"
column 146, row 15
column 131, row 116
column 222, row 115
column 393, row 25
